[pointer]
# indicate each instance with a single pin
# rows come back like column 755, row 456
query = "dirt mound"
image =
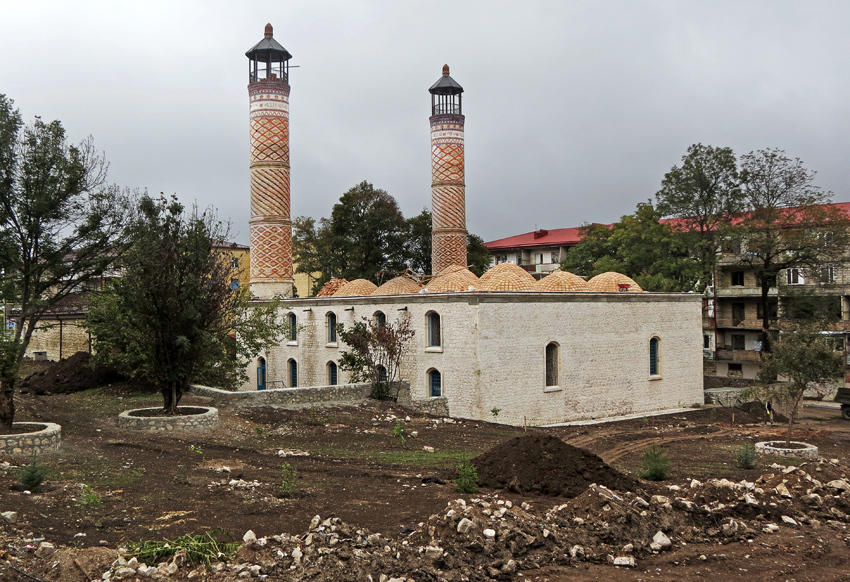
column 67, row 376
column 542, row 464
column 757, row 410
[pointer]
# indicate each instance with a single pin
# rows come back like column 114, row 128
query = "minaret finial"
column 269, row 31
column 445, row 70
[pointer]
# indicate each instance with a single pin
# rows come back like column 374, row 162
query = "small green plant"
column 198, row 450
column 288, row 480
column 32, row 476
column 656, row 465
column 645, row 421
column 261, row 431
column 315, row 417
column 746, row 456
column 200, row 549
column 89, row 498
column 712, row 414
column 398, row 430
column 495, row 412
column 467, row 478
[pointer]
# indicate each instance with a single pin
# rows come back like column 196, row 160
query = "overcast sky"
column 574, row 109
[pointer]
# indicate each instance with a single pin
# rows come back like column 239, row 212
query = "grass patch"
column 200, row 549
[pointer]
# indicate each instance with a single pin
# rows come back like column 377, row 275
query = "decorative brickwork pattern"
column 331, row 287
column 448, row 192
column 271, row 227
column 453, row 278
column 612, row 282
column 398, row 286
column 561, row 281
column 503, row 268
column 356, row 288
column 507, row 281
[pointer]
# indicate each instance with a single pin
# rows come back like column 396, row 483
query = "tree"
column 648, row 251
column 417, row 242
column 376, row 352
column 477, row 255
column 702, row 195
column 61, row 225
column 789, row 223
column 807, row 358
column 172, row 318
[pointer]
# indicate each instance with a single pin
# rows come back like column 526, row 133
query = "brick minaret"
column 271, row 227
column 448, row 197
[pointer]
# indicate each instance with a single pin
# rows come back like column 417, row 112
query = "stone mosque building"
column 543, row 352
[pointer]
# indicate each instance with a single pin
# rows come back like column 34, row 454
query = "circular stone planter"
column 200, row 418
column 45, row 437
column 777, row 448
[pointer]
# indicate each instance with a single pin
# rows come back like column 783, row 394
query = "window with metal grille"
column 738, row 278
column 434, row 336
column 552, row 364
column 653, row 356
column 293, row 327
column 332, row 374
column 330, row 323
column 380, row 319
column 738, row 341
column 293, row 373
column 382, row 374
column 435, row 381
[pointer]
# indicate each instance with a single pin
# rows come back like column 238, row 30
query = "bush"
column 398, row 430
column 467, row 478
column 656, row 465
column 32, row 476
column 288, row 480
column 746, row 456
column 89, row 498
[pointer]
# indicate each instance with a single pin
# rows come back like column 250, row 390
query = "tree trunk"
column 765, row 319
column 7, row 404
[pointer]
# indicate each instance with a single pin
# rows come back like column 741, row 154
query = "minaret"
column 448, row 196
column 271, row 227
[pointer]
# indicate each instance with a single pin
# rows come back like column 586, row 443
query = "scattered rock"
column 10, row 516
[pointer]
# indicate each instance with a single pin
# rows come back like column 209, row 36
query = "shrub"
column 398, row 430
column 32, row 475
column 89, row 498
column 656, row 465
column 746, row 456
column 288, row 480
column 467, row 478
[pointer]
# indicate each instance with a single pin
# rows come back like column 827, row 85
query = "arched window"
column 380, row 319
column 330, row 323
column 654, row 357
column 382, row 374
column 293, row 327
column 332, row 374
column 261, row 373
column 435, row 383
column 433, row 327
column 293, row 373
column 552, row 364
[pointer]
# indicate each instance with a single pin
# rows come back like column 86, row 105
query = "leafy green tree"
column 648, row 251
column 417, row 242
column 172, row 318
column 806, row 358
column 702, row 195
column 477, row 255
column 789, row 224
column 61, row 227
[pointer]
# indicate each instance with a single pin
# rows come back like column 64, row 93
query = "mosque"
column 542, row 351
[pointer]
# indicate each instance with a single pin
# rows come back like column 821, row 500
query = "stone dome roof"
column 506, row 277
column 561, row 281
column 331, row 287
column 453, row 278
column 356, row 288
column 398, row 286
column 612, row 282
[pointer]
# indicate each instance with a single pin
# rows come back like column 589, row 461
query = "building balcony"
column 738, row 355
column 732, row 323
column 741, row 291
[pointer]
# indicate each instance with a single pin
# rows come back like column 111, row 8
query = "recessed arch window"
column 435, row 383
column 380, row 319
column 382, row 374
column 292, row 320
column 292, row 370
column 261, row 373
column 333, row 374
column 330, row 324
column 432, row 322
column 552, row 364
column 654, row 357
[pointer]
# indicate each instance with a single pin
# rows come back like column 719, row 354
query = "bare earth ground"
column 161, row 486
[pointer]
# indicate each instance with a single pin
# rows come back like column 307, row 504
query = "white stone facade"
column 492, row 351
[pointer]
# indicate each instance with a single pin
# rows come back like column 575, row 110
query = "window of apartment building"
column 556, row 257
column 292, row 320
column 330, row 325
column 499, row 259
column 827, row 274
column 234, row 283
column 706, row 341
column 735, row 371
column 435, row 383
column 772, row 307
column 739, row 312
column 731, row 246
column 432, row 322
column 380, row 319
column 538, row 258
column 292, row 372
column 794, row 277
column 552, row 364
column 234, row 263
column 654, row 357
column 737, row 278
column 332, row 374
column 738, row 341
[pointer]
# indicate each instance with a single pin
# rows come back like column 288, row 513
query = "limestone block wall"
column 60, row 339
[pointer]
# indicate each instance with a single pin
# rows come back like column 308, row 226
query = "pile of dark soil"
column 67, row 376
column 543, row 464
column 726, row 415
column 757, row 410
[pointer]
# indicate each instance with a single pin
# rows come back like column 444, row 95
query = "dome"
column 506, row 277
column 561, row 281
column 453, row 278
column 504, row 268
column 331, row 287
column 611, row 282
column 356, row 288
column 398, row 286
